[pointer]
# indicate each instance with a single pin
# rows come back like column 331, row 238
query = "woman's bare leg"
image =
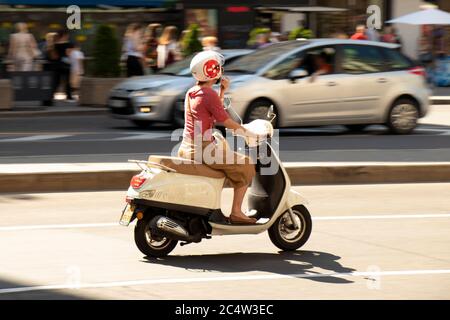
column 236, row 209
column 238, row 199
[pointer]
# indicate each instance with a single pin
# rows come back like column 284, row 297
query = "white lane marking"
column 222, row 279
column 443, row 132
column 115, row 224
column 60, row 226
column 385, row 216
column 36, row 138
column 145, row 136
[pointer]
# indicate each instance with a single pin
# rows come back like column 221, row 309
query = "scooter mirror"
column 226, row 102
column 271, row 114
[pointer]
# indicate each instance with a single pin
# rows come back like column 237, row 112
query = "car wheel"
column 403, row 116
column 258, row 109
column 142, row 123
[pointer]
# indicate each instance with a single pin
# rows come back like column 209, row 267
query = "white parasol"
column 428, row 16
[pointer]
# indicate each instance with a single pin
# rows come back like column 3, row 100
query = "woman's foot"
column 240, row 218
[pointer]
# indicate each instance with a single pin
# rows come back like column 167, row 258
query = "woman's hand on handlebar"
column 238, row 129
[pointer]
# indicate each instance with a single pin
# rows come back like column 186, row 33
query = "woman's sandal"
column 239, row 220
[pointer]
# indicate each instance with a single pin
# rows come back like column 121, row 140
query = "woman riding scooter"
column 204, row 107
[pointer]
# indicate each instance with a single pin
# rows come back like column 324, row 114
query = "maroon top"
column 202, row 111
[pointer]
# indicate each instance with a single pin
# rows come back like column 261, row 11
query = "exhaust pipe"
column 169, row 226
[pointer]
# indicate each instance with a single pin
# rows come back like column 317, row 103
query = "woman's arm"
column 230, row 123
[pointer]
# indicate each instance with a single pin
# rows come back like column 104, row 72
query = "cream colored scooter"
column 177, row 201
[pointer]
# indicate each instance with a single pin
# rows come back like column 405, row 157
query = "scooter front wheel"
column 283, row 233
column 148, row 244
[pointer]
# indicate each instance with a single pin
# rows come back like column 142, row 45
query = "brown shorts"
column 237, row 167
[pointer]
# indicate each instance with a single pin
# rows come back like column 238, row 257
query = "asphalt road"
column 99, row 138
column 388, row 242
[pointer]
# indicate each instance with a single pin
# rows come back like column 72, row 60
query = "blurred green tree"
column 106, row 53
column 253, row 34
column 190, row 42
column 300, row 33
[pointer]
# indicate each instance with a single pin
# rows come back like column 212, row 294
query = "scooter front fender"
column 294, row 199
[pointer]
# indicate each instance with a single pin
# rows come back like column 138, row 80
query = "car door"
column 305, row 101
column 363, row 79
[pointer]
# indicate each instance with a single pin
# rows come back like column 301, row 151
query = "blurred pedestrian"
column 262, row 41
column 133, row 47
column 48, row 47
column 390, row 35
column 76, row 57
column 439, row 44
column 360, row 33
column 50, row 56
column 426, row 45
column 62, row 69
column 210, row 43
column 152, row 33
column 168, row 48
column 181, row 41
column 22, row 48
column 274, row 37
column 372, row 34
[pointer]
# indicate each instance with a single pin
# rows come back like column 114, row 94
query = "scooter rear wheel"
column 151, row 246
column 285, row 236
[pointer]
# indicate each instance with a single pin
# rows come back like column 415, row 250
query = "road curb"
column 316, row 174
column 53, row 113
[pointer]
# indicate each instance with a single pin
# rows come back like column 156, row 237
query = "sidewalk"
column 440, row 96
column 62, row 177
column 59, row 108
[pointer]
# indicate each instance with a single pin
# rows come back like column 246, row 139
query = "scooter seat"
column 186, row 166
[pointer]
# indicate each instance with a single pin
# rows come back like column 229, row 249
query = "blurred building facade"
column 231, row 20
column 43, row 16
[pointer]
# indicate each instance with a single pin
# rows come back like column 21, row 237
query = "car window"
column 395, row 60
column 253, row 62
column 312, row 60
column 181, row 68
column 282, row 69
column 358, row 59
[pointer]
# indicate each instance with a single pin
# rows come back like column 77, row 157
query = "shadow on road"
column 299, row 263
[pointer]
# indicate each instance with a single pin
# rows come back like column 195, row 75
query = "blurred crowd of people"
column 151, row 48
column 55, row 52
column 147, row 49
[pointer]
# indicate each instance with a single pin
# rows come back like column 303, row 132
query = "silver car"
column 158, row 97
column 330, row 81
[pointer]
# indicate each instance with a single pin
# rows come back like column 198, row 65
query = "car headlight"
column 142, row 93
column 146, row 92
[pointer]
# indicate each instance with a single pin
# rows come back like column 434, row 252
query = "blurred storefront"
column 233, row 20
column 44, row 16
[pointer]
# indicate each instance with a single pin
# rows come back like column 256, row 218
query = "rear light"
column 419, row 71
column 137, row 181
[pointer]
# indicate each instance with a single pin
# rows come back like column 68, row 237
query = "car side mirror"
column 297, row 74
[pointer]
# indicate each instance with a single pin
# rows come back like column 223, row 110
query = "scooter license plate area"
column 127, row 214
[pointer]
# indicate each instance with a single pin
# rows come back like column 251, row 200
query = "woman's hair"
column 169, row 34
column 21, row 27
column 209, row 41
column 151, row 32
column 50, row 38
column 131, row 28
